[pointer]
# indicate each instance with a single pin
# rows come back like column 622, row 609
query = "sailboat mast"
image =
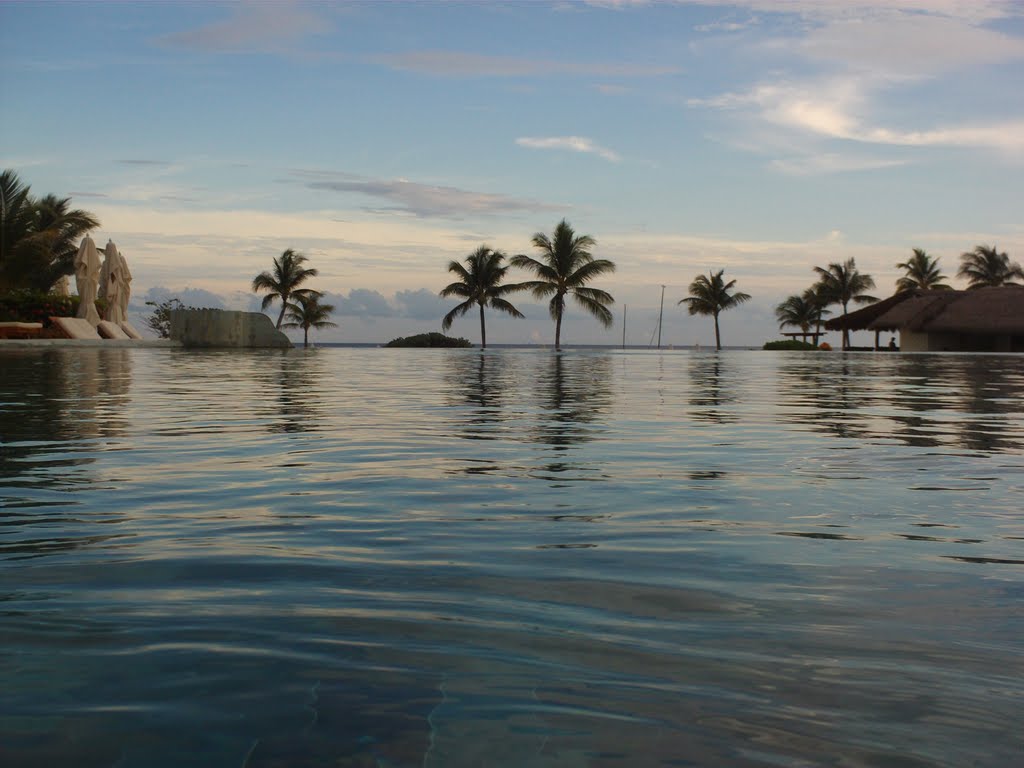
column 661, row 313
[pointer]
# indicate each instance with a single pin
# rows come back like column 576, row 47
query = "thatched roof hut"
column 978, row 319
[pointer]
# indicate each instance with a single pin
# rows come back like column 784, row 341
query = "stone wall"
column 225, row 328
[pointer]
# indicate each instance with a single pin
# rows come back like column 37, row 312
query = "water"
column 369, row 557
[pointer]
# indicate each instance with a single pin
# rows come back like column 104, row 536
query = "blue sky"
column 384, row 139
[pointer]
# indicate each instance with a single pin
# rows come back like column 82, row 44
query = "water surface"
column 370, row 557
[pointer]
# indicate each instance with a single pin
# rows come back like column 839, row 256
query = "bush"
column 789, row 344
column 29, row 307
column 433, row 339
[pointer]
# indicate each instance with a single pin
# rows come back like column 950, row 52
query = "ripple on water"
column 455, row 557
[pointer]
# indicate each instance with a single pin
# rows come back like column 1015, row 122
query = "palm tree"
column 801, row 312
column 480, row 284
column 38, row 237
column 709, row 295
column 985, row 266
column 564, row 268
column 841, row 284
column 307, row 312
column 820, row 301
column 284, row 281
column 922, row 273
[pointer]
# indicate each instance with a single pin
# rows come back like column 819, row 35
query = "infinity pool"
column 376, row 557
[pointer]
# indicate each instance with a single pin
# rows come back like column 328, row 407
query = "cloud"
column 257, row 27
column 160, row 163
column 839, row 109
column 362, row 302
column 458, row 64
column 422, row 304
column 571, row 143
column 421, row 200
column 191, row 297
column 831, row 162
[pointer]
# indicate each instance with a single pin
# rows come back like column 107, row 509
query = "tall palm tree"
column 38, row 237
column 985, row 266
column 284, row 281
column 922, row 272
column 480, row 284
column 709, row 295
column 564, row 268
column 801, row 312
column 820, row 301
column 307, row 312
column 841, row 284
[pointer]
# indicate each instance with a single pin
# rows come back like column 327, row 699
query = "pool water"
column 377, row 557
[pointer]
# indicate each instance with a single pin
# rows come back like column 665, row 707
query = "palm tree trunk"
column 558, row 332
column 718, row 336
column 305, row 337
column 846, row 331
column 284, row 306
column 483, row 330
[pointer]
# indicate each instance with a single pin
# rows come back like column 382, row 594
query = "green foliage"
column 160, row 321
column 307, row 312
column 36, row 307
column 38, row 236
column 790, row 344
column 479, row 284
column 709, row 295
column 433, row 339
column 283, row 281
column 922, row 273
column 564, row 268
column 986, row 266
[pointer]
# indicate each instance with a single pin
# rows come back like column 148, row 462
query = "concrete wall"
column 225, row 328
column 956, row 342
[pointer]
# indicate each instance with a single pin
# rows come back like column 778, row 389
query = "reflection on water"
column 399, row 558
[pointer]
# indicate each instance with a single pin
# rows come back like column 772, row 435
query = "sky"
column 385, row 139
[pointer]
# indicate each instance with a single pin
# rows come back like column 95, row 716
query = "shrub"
column 30, row 307
column 789, row 344
column 432, row 339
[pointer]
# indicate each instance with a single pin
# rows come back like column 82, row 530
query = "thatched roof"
column 982, row 310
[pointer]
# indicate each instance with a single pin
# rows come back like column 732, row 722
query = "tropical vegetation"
column 283, row 281
column 307, row 312
column 159, row 322
column 564, row 267
column 709, row 295
column 986, row 266
column 801, row 311
column 841, row 284
column 921, row 272
column 480, row 285
column 432, row 339
column 38, row 236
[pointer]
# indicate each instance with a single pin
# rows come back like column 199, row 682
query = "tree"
column 564, row 268
column 284, row 281
column 160, row 321
column 307, row 312
column 801, row 312
column 922, row 273
column 479, row 284
column 38, row 237
column 841, row 284
column 709, row 295
column 985, row 266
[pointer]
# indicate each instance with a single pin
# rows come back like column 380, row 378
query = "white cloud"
column 459, row 64
column 422, row 200
column 570, row 143
column 253, row 27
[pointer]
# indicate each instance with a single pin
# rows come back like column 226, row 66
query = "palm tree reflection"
column 296, row 379
column 711, row 388
column 575, row 394
column 479, row 382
